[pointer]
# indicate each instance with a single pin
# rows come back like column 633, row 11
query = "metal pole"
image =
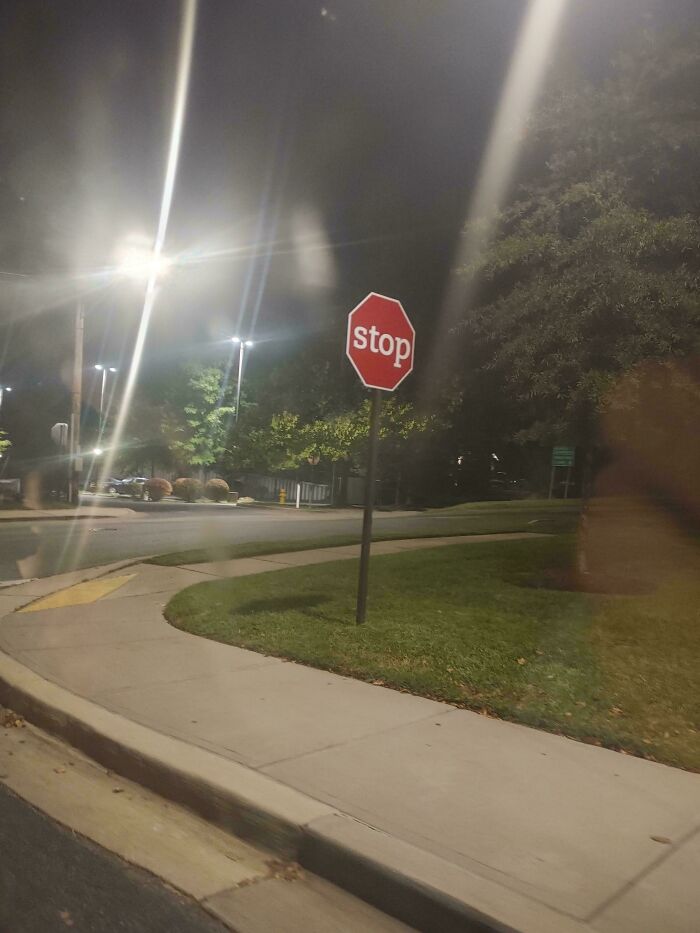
column 298, row 494
column 102, row 401
column 74, row 482
column 2, row 392
column 369, row 506
column 240, row 377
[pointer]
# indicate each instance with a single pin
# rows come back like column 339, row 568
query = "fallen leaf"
column 60, row 770
column 664, row 840
column 117, row 790
column 522, row 661
column 66, row 918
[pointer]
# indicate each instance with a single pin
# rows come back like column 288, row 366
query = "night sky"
column 347, row 133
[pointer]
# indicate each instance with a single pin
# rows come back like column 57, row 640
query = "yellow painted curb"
column 80, row 594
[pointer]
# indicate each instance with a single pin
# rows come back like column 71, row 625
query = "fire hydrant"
column 283, row 496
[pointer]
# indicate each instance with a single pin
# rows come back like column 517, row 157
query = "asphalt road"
column 36, row 549
column 53, row 881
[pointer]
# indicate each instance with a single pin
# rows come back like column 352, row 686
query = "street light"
column 138, row 260
column 4, row 389
column 242, row 344
column 101, row 367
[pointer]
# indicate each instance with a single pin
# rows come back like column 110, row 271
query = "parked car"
column 125, row 487
column 109, row 485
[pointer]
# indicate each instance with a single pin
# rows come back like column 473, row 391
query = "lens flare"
column 157, row 263
column 520, row 92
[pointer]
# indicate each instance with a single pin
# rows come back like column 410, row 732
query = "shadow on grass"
column 282, row 603
column 305, row 604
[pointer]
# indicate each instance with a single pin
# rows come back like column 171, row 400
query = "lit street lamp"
column 100, row 367
column 138, row 262
column 4, row 389
column 242, row 344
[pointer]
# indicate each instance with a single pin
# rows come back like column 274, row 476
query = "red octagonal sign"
column 380, row 342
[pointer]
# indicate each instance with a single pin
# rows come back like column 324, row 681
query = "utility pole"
column 75, row 463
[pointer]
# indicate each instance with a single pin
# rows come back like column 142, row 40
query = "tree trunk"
column 582, row 562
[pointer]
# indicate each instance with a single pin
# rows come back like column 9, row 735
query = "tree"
column 145, row 445
column 287, row 440
column 197, row 416
column 181, row 419
column 595, row 265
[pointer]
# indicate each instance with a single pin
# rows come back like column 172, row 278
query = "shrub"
column 216, row 490
column 187, row 488
column 157, row 488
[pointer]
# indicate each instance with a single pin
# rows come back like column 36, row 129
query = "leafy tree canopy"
column 595, row 264
column 288, row 440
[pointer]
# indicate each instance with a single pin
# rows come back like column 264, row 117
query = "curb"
column 242, row 801
column 408, row 883
column 46, row 586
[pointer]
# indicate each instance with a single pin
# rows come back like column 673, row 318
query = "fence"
column 269, row 487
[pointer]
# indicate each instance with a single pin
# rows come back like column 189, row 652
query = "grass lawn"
column 511, row 505
column 465, row 624
column 471, row 525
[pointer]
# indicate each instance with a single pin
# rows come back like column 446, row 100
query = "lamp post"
column 100, row 367
column 139, row 262
column 4, row 389
column 242, row 344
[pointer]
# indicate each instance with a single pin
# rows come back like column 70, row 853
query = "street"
column 29, row 549
column 56, row 880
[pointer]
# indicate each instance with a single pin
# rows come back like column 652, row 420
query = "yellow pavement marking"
column 80, row 594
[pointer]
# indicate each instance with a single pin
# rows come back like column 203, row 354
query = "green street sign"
column 563, row 456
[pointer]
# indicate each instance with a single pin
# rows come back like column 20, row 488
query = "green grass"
column 511, row 505
column 475, row 525
column 463, row 624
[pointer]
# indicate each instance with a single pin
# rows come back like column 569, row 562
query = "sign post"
column 370, row 483
column 562, row 457
column 380, row 345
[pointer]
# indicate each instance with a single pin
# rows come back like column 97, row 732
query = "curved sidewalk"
column 450, row 810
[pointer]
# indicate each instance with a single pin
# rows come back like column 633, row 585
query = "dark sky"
column 356, row 125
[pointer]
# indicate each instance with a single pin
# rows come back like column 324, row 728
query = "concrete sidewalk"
column 527, row 831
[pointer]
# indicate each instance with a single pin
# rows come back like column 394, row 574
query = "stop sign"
column 380, row 342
